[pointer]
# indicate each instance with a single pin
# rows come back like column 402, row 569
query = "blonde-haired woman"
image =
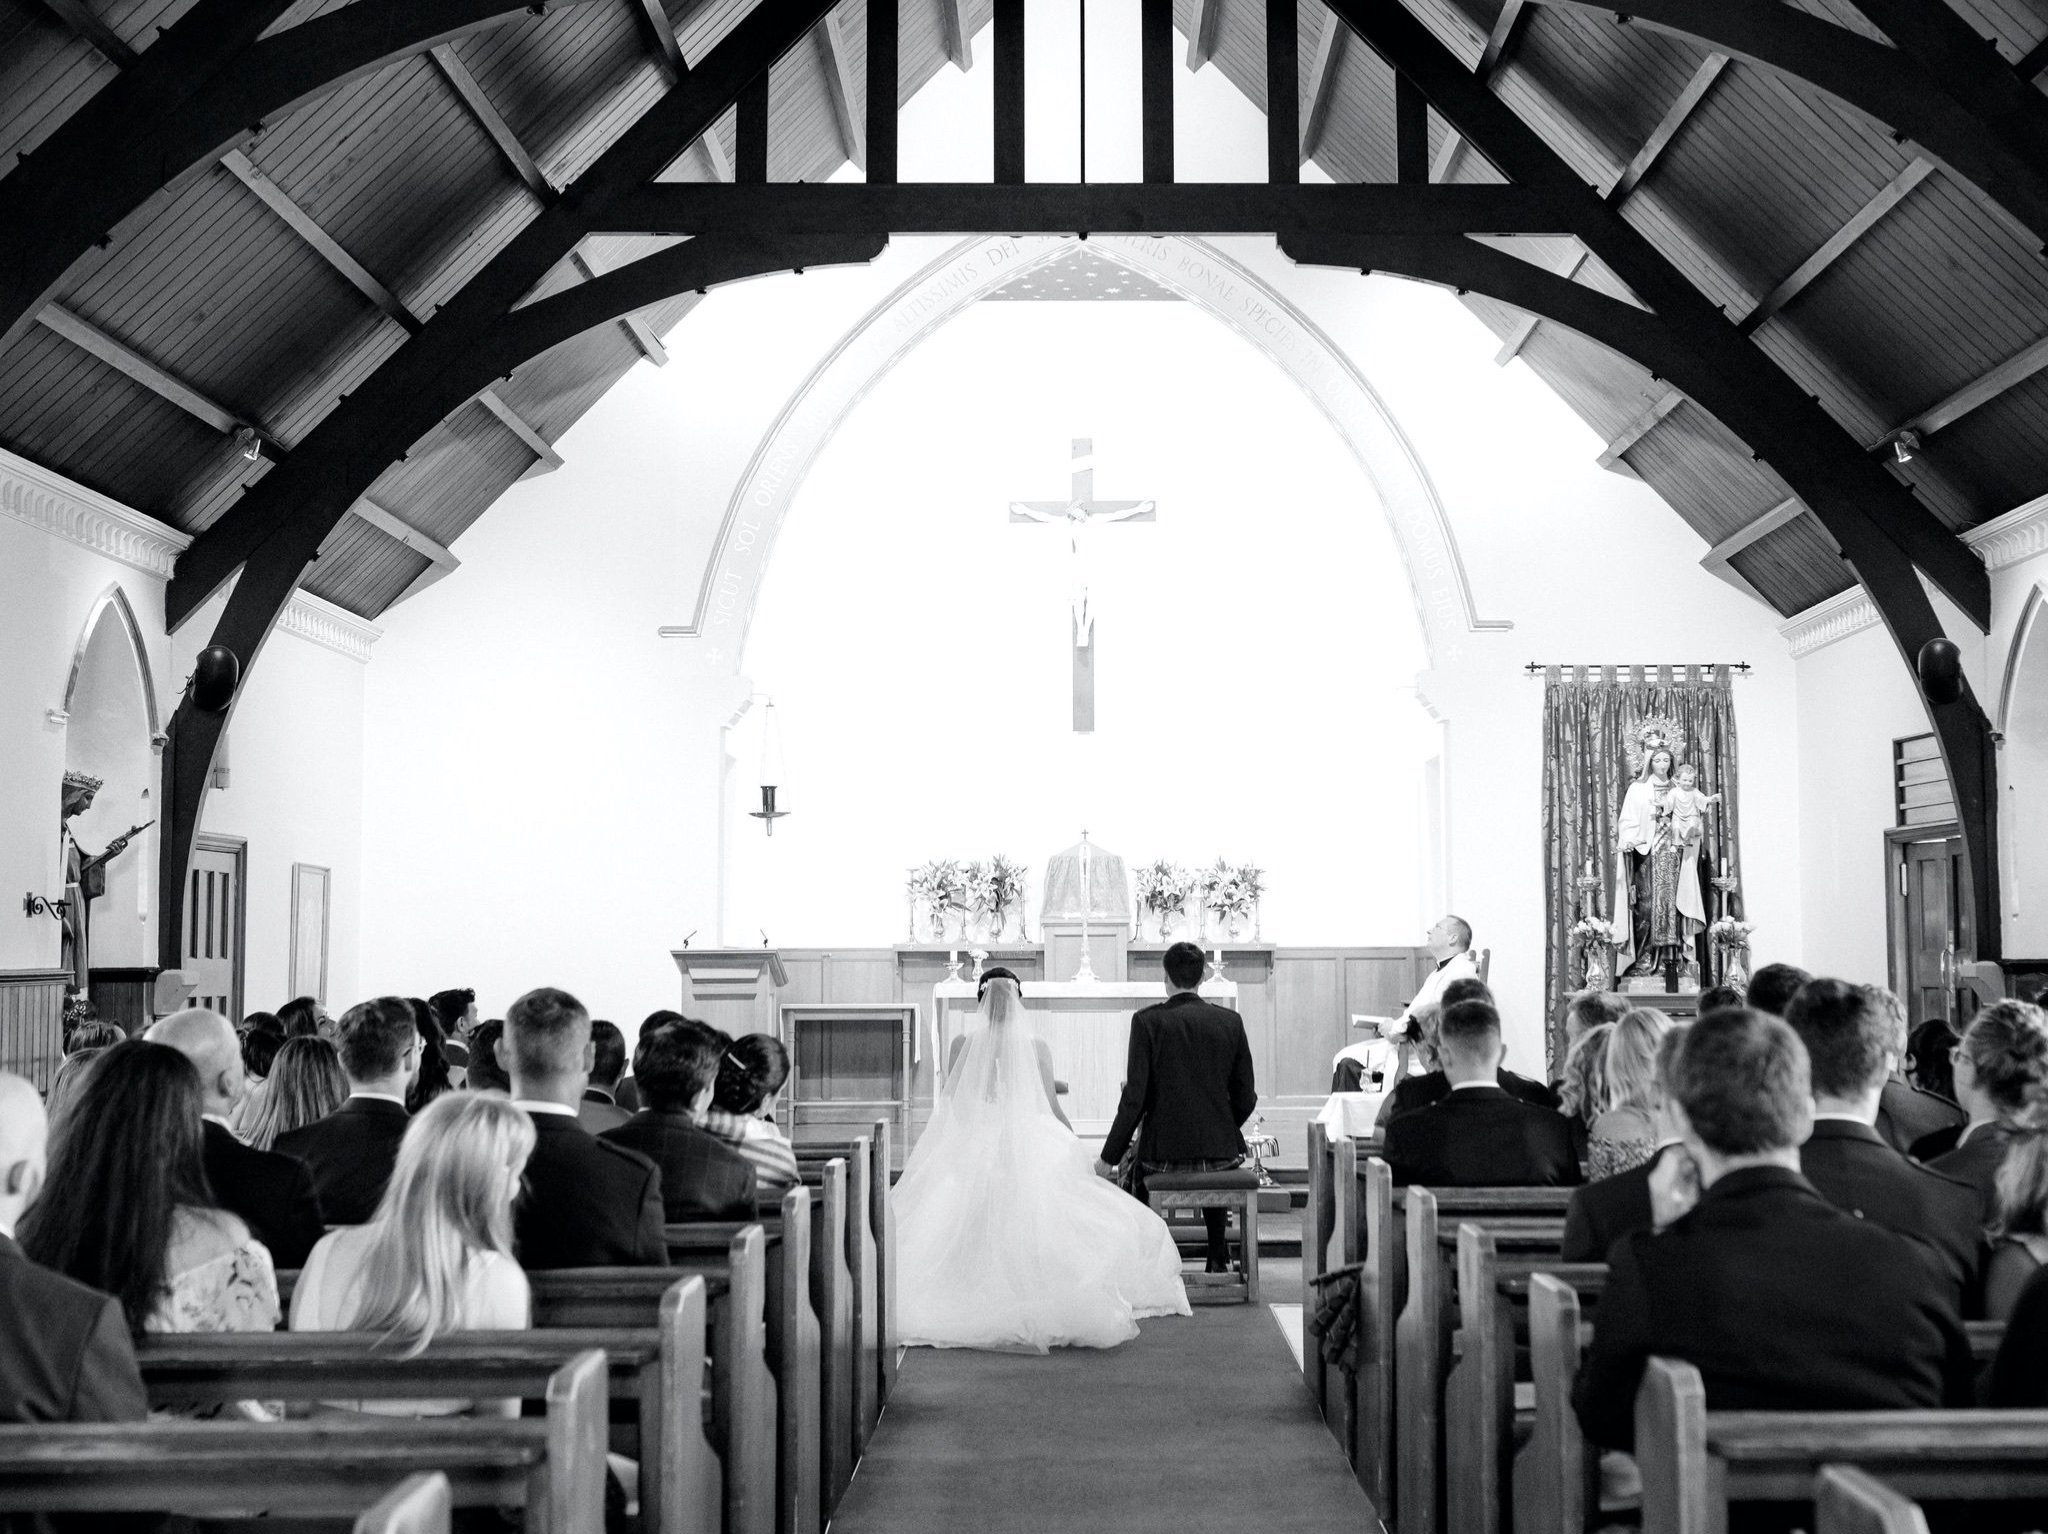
column 437, row 1255
column 1625, row 1135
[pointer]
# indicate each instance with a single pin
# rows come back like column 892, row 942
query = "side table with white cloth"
column 1354, row 1114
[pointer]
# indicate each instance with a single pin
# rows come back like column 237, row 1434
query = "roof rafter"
column 1322, row 84
column 1837, row 245
column 958, row 39
column 1667, row 129
column 1639, row 428
column 1985, row 125
column 661, row 36
column 1718, row 560
column 492, row 121
column 546, row 459
column 160, row 381
column 637, row 330
column 441, row 561
column 837, row 62
column 1981, row 390
column 1202, row 32
column 1500, row 42
column 82, row 19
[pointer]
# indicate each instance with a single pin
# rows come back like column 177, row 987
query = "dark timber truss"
column 206, row 85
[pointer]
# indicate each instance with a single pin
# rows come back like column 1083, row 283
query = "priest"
column 1450, row 944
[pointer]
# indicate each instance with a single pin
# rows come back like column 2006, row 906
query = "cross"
column 1080, row 515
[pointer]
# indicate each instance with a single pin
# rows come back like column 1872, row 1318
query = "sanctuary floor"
column 1201, row 1424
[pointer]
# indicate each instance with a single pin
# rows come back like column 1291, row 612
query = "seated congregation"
column 409, row 1175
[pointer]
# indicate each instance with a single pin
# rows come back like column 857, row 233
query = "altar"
column 1086, row 1024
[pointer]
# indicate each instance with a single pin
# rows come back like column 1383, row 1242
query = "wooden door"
column 1927, row 935
column 213, row 924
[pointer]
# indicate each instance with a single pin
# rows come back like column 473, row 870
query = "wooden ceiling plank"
column 1322, row 84
column 837, row 61
column 123, row 358
column 1640, row 427
column 1674, row 118
column 301, row 223
column 1202, row 32
column 661, row 36
column 1719, row 560
column 636, row 329
column 492, row 121
column 958, row 39
column 2012, row 372
column 1838, row 244
column 82, row 19
column 548, row 460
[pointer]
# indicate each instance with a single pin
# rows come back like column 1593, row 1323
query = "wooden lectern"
column 735, row 990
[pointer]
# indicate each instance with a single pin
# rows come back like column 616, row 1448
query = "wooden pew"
column 744, row 1426
column 554, row 1465
column 661, row 1368
column 1851, row 1501
column 1423, row 1333
column 869, row 1249
column 1318, row 1220
column 419, row 1504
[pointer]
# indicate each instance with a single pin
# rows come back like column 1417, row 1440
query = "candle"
column 1589, row 868
column 1724, row 867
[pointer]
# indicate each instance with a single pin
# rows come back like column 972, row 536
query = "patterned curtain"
column 1590, row 716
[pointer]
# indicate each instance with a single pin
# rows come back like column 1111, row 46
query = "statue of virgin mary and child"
column 1658, row 836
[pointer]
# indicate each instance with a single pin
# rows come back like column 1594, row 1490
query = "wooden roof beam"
column 1837, row 245
column 546, row 459
column 440, row 560
column 303, row 225
column 847, row 111
column 163, row 383
column 715, row 156
column 1947, row 90
column 1717, row 561
column 82, row 19
column 959, row 41
column 1322, row 84
column 492, row 121
column 1500, row 42
column 1202, row 32
column 1638, row 429
column 637, row 330
column 1525, row 327
column 661, row 36
column 1668, row 126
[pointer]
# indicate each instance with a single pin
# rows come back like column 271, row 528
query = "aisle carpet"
column 1201, row 1424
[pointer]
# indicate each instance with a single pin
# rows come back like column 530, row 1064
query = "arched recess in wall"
column 112, row 733
column 2023, row 768
column 1199, row 273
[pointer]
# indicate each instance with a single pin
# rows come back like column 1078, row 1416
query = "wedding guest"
column 65, row 1355
column 629, row 1089
column 302, row 1017
column 1847, row 1037
column 1479, row 1135
column 1583, row 1012
column 430, row 1078
column 1426, row 1082
column 65, row 1085
column 262, row 1037
column 1602, row 1212
column 2019, row 1224
column 1927, row 1063
column 305, row 1085
column 702, row 1177
column 600, row 1108
column 750, row 1073
column 1907, row 1114
column 1583, row 1097
column 94, row 1033
column 484, row 1072
column 590, row 1203
column 455, row 1010
column 1626, row 1135
column 1771, row 987
column 352, row 1150
column 436, row 1256
column 274, row 1195
column 125, row 1207
column 1715, row 997
column 2000, row 1069
column 1782, row 1301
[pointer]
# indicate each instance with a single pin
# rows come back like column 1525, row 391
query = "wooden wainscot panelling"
column 32, row 1022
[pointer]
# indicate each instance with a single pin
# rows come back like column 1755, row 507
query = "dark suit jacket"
column 588, row 1203
column 64, row 1349
column 1782, row 1302
column 1602, row 1212
column 1189, row 1077
column 351, row 1153
column 1854, row 1170
column 600, row 1111
column 1905, row 1114
column 702, row 1178
column 272, row 1192
column 1976, row 1161
column 1434, row 1086
column 2019, row 1375
column 1480, row 1137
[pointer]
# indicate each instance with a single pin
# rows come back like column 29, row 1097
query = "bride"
column 1005, row 1237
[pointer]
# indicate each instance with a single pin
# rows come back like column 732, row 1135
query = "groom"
column 1189, row 1080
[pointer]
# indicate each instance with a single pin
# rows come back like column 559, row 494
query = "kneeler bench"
column 1236, row 1190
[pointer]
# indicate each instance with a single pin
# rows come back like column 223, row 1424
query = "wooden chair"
column 1236, row 1190
column 553, row 1466
column 1851, row 1501
column 419, row 1504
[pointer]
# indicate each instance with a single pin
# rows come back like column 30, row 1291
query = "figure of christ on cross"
column 1080, row 515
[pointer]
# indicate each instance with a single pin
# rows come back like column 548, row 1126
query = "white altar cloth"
column 1351, row 1113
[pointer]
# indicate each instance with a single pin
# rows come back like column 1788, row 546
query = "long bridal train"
column 1006, row 1239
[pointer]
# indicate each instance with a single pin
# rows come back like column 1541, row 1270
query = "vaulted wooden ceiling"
column 228, row 316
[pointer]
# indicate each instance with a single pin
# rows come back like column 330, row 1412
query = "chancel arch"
column 1194, row 270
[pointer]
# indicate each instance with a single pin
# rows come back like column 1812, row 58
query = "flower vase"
column 1735, row 967
column 1598, row 967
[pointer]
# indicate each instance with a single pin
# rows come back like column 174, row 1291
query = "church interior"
column 677, row 500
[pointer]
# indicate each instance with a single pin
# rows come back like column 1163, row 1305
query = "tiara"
column 83, row 780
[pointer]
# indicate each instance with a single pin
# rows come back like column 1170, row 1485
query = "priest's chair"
column 1236, row 1190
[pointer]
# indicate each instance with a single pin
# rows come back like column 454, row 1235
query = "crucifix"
column 1080, row 515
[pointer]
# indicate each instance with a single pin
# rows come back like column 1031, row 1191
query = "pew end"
column 1847, row 1500
column 1671, row 1448
column 419, row 1504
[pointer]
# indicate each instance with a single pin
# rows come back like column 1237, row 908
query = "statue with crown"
column 1659, row 907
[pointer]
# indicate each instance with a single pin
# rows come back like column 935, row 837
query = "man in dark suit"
column 1419, row 1091
column 1479, row 1136
column 1782, row 1301
column 1847, row 1039
column 1772, row 988
column 600, row 1109
column 1602, row 1212
column 353, row 1150
column 588, row 1203
column 273, row 1193
column 702, row 1177
column 65, row 1355
column 1188, row 1077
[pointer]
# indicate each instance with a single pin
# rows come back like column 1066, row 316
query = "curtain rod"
column 1735, row 668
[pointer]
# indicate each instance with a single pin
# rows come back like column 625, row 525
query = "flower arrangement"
column 977, row 888
column 1164, row 887
column 1594, row 929
column 1005, row 884
column 939, row 885
column 1730, row 933
column 1233, row 891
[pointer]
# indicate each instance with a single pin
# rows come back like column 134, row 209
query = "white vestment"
column 1459, row 966
column 1005, row 1237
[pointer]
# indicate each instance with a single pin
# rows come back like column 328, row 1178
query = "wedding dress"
column 1005, row 1237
